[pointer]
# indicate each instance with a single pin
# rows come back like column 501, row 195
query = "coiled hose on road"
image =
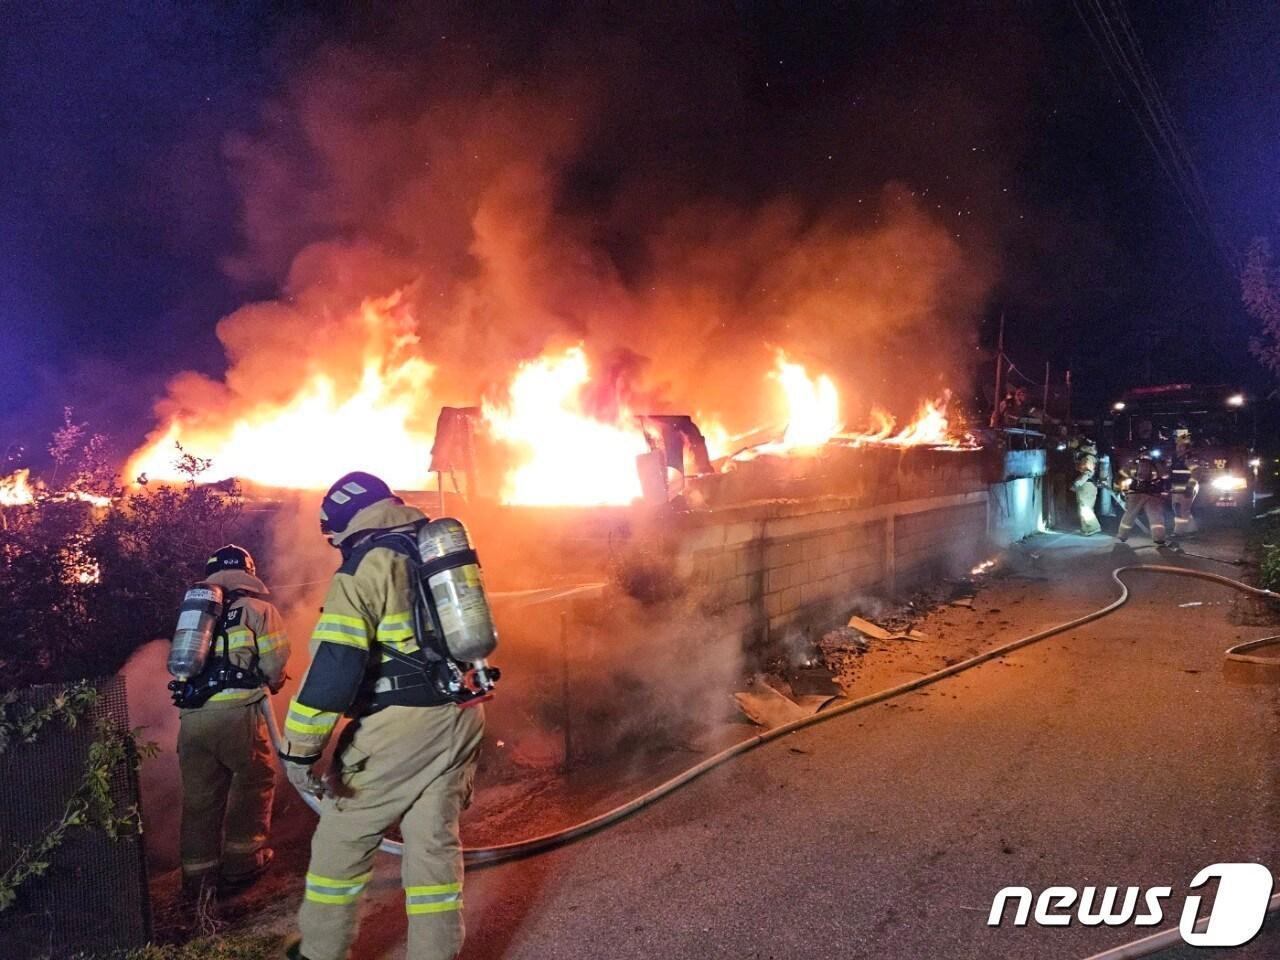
column 485, row 856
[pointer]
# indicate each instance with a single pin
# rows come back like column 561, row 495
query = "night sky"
column 121, row 221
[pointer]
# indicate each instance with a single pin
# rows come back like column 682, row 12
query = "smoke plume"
column 496, row 202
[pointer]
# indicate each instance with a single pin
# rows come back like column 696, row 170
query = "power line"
column 1118, row 46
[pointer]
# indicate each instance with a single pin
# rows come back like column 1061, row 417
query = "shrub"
column 82, row 586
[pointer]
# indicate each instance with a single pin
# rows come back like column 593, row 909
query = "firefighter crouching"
column 1145, row 493
column 224, row 754
column 409, row 754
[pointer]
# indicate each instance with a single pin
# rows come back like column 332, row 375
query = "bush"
column 82, row 586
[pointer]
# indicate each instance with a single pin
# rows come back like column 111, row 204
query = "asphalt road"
column 1118, row 755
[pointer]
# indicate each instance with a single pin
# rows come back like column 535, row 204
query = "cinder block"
column 750, row 558
column 779, row 554
column 805, row 523
column 742, row 532
column 736, row 590
column 703, row 538
column 790, row 599
column 723, row 566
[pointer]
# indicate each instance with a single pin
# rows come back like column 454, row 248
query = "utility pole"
column 1070, row 423
column 1044, row 409
column 995, row 402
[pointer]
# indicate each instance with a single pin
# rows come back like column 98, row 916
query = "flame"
column 813, row 405
column 15, row 489
column 566, row 455
column 719, row 440
column 322, row 431
column 89, row 498
column 930, row 428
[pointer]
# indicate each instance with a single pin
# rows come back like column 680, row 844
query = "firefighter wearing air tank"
column 1146, row 491
column 230, row 648
column 400, row 666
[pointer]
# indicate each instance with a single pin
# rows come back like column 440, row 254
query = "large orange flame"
column 564, row 454
column 930, row 428
column 322, row 432
column 813, row 405
column 15, row 489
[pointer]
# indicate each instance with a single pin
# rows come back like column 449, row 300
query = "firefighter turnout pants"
column 228, row 780
column 414, row 765
column 1086, row 496
column 1135, row 503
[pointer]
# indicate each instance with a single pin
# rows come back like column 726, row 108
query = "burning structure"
column 625, row 382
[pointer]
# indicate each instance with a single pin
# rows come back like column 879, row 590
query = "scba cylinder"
column 456, row 590
column 197, row 623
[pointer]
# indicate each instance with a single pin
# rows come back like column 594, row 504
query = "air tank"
column 197, row 622
column 457, row 592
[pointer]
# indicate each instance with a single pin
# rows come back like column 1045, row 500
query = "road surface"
column 1117, row 755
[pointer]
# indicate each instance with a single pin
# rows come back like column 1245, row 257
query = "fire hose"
column 499, row 853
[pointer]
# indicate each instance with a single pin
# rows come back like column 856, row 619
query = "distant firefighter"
column 1184, row 487
column 410, row 752
column 230, row 648
column 1086, row 490
column 1145, row 492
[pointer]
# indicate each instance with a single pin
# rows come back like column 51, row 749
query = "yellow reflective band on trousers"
column 330, row 890
column 340, row 628
column 437, row 898
column 308, row 720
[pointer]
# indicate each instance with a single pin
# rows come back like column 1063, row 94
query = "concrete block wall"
column 942, row 542
column 777, row 568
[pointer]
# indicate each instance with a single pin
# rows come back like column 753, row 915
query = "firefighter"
column 224, row 753
column 409, row 754
column 1086, row 490
column 1145, row 492
column 1184, row 487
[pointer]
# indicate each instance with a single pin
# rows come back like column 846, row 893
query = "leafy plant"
column 81, row 585
column 1260, row 290
column 91, row 803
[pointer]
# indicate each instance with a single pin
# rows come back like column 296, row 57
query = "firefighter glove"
column 303, row 777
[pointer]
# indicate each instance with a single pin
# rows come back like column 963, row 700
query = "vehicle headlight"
column 1229, row 481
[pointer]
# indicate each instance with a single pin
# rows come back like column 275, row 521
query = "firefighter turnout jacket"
column 224, row 752
column 255, row 630
column 409, row 756
column 364, row 655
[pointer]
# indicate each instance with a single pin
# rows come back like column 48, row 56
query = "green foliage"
column 1269, row 572
column 1260, row 290
column 82, row 586
column 22, row 726
column 91, row 803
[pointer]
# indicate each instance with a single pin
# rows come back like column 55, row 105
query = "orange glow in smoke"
column 563, row 454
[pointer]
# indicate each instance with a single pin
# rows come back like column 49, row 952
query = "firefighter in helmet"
column 1085, row 487
column 1183, row 483
column 409, row 754
column 1145, row 492
column 224, row 753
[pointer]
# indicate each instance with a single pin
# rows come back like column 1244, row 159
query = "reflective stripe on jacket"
column 258, row 626
column 367, row 611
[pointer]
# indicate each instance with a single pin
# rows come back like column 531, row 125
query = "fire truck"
column 1202, row 434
